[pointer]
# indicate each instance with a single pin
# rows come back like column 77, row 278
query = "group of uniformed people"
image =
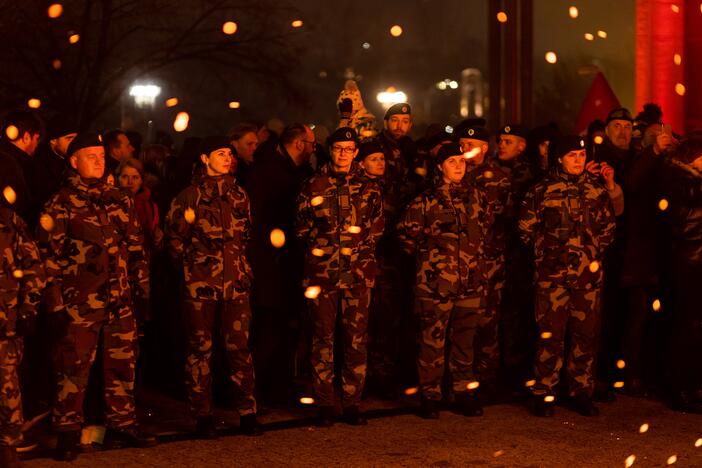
column 492, row 264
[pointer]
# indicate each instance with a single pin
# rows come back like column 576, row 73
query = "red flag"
column 599, row 101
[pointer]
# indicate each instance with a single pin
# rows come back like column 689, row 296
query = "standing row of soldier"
column 471, row 227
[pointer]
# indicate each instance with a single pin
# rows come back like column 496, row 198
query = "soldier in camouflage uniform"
column 487, row 177
column 91, row 242
column 21, row 284
column 445, row 227
column 207, row 230
column 517, row 327
column 568, row 221
column 339, row 221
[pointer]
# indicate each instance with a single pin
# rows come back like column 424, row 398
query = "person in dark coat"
column 273, row 184
column 50, row 161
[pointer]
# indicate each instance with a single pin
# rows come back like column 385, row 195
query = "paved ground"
column 507, row 436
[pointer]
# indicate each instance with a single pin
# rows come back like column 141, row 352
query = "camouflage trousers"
column 10, row 396
column 487, row 345
column 232, row 319
column 457, row 319
column 74, row 357
column 385, row 319
column 352, row 305
column 565, row 314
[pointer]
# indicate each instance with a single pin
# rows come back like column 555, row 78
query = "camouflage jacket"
column 339, row 221
column 445, row 227
column 495, row 184
column 92, row 245
column 207, row 230
column 569, row 221
column 23, row 278
column 401, row 181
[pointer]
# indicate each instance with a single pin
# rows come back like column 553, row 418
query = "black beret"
column 475, row 133
column 621, row 113
column 448, row 150
column 568, row 143
column 470, row 122
column 60, row 125
column 367, row 148
column 343, row 134
column 213, row 143
column 513, row 129
column 84, row 140
column 440, row 137
column 399, row 108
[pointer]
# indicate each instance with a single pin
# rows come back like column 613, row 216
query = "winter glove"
column 346, row 108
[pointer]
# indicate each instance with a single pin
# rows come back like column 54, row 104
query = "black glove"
column 346, row 108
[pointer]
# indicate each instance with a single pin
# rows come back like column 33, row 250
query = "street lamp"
column 144, row 94
column 391, row 96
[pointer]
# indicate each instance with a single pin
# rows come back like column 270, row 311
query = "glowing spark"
column 411, row 391
column 530, row 383
column 629, row 461
column 277, row 238
column 656, row 306
column 594, row 266
column 312, row 292
column 472, row 153
column 34, row 103
column 602, row 34
column 549, row 398
column 680, row 89
column 74, row 38
column 56, row 64
column 675, row 8
column 296, row 24
column 621, row 364
column 421, row 171
column 644, row 428
column 698, row 443
column 172, row 102
column 55, row 10
column 9, row 194
column 307, row 400
column 234, row 105
column 316, row 201
column 189, row 215
column 46, row 222
column 589, row 37
column 488, row 174
column 619, row 384
column 598, row 140
column 12, row 132
column 499, row 453
column 677, row 59
column 502, row 17
column 18, row 274
column 573, row 12
column 396, row 31
column 551, row 57
column 473, row 385
column 318, row 252
column 180, row 124
column 546, row 335
column 346, row 251
column 672, row 459
column 229, row 28
column 663, row 204
column 354, row 229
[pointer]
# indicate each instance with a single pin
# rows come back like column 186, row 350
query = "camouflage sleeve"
column 304, row 221
column 33, row 275
column 246, row 208
column 528, row 218
column 410, row 229
column 177, row 226
column 51, row 237
column 606, row 221
column 377, row 218
column 138, row 267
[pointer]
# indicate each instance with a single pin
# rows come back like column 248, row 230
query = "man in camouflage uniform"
column 568, row 221
column 445, row 227
column 92, row 245
column 487, row 177
column 339, row 221
column 207, row 230
column 21, row 284
column 517, row 328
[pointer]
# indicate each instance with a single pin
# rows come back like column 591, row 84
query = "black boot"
column 325, row 416
column 129, row 436
column 205, row 428
column 541, row 407
column 429, row 409
column 67, row 445
column 353, row 416
column 250, row 426
column 468, row 404
column 582, row 404
column 603, row 394
column 8, row 457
